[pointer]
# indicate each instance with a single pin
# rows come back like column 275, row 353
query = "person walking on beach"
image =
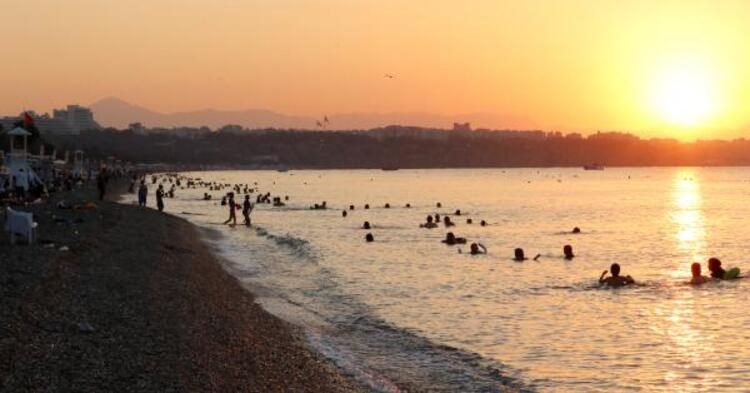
column 101, row 183
column 247, row 207
column 160, row 198
column 142, row 194
column 232, row 213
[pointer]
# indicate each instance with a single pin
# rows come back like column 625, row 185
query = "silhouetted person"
column 160, row 198
column 451, row 239
column 519, row 255
column 408, row 205
column 351, row 207
column 142, row 194
column 367, row 206
column 439, row 205
column 615, row 280
column 469, row 221
column 475, row 249
column 232, row 207
column 369, row 238
column 483, row 223
column 387, row 205
column 429, row 223
column 576, row 230
column 568, row 251
column 247, row 207
column 447, row 221
column 101, row 183
column 366, row 225
column 697, row 278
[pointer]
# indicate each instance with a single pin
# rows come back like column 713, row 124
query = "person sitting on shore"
column 451, row 239
column 615, row 281
column 568, row 252
column 447, row 221
column 429, row 224
column 475, row 249
column 698, row 278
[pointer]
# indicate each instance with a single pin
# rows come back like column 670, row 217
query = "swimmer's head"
column 483, row 223
column 576, row 230
column 474, row 248
column 568, row 251
column 519, row 255
column 439, row 204
column 615, row 269
column 429, row 219
column 713, row 264
column 366, row 225
column 696, row 269
column 387, row 205
column 469, row 221
column 343, row 213
column 450, row 236
column 369, row 238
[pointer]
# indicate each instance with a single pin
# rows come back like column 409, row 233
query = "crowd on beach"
column 609, row 278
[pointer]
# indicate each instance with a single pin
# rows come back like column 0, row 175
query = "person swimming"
column 698, row 278
column 469, row 221
column 451, row 239
column 576, row 230
column 447, row 221
column 439, row 205
column 458, row 212
column 519, row 255
column 343, row 213
column 475, row 249
column 366, row 225
column 367, row 206
column 714, row 265
column 408, row 205
column 351, row 207
column 428, row 224
column 615, row 281
column 568, row 252
column 483, row 223
column 369, row 238
column 387, row 205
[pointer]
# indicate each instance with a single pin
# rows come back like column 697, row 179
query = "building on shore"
column 69, row 121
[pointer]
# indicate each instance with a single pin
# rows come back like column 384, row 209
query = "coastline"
column 139, row 302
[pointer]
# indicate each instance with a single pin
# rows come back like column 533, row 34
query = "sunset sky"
column 657, row 68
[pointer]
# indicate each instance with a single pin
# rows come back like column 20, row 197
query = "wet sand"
column 138, row 304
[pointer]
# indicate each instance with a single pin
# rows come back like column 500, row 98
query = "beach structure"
column 17, row 160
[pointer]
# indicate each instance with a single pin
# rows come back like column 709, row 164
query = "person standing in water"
column 698, row 278
column 616, row 280
column 160, row 198
column 247, row 207
column 232, row 214
column 142, row 194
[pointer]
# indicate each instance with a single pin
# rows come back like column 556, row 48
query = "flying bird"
column 390, row 76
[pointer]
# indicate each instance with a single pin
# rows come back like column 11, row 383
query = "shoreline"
column 139, row 302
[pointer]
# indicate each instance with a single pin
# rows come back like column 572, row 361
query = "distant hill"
column 114, row 112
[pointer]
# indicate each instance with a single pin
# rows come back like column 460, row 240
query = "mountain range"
column 117, row 113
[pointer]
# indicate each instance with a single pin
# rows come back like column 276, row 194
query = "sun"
column 684, row 95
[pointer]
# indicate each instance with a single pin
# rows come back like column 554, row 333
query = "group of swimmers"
column 615, row 280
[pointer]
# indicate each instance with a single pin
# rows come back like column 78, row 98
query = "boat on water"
column 389, row 168
column 593, row 167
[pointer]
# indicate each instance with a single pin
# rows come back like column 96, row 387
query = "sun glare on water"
column 684, row 95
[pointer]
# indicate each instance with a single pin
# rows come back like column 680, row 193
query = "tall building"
column 77, row 118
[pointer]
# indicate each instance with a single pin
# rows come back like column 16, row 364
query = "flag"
column 28, row 121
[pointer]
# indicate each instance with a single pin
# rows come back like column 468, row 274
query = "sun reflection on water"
column 687, row 217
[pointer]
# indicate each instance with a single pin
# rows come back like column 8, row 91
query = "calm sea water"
column 407, row 310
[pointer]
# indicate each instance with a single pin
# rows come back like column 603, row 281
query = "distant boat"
column 593, row 167
column 282, row 170
column 389, row 168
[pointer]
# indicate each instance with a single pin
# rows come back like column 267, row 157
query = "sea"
column 407, row 312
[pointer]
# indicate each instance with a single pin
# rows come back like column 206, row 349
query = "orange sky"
column 566, row 65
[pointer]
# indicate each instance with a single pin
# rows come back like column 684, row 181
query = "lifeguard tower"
column 18, row 159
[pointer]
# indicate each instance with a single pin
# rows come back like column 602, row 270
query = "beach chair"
column 20, row 223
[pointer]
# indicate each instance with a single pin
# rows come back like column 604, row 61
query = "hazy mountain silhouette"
column 114, row 112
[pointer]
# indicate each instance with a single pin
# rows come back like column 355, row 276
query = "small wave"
column 299, row 247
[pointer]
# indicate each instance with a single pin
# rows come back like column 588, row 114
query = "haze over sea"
column 409, row 310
